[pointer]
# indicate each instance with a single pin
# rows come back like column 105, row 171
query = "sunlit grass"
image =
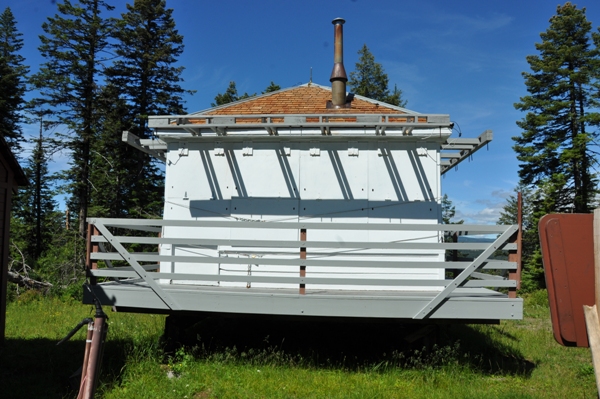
column 515, row 359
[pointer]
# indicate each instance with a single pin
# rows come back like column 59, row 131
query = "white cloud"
column 483, row 210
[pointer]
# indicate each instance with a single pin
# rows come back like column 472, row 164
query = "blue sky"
column 462, row 58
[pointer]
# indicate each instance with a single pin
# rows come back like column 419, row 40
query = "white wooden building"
column 306, row 201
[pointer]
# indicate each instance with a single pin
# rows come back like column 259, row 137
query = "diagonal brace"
column 466, row 273
column 166, row 298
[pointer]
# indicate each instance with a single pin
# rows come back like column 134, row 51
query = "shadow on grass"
column 37, row 368
column 349, row 345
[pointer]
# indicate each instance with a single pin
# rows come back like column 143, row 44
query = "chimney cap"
column 338, row 20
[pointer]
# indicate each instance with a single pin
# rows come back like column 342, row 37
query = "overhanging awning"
column 456, row 150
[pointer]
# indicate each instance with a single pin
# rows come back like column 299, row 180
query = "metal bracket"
column 247, row 150
column 219, row 150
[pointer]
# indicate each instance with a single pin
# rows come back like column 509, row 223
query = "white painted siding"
column 359, row 180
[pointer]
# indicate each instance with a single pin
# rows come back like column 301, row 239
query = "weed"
column 181, row 362
column 585, row 370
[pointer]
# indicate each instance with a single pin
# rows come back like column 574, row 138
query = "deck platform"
column 479, row 304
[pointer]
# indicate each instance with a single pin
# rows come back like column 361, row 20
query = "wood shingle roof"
column 305, row 99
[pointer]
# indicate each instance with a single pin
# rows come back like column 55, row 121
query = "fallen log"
column 24, row 281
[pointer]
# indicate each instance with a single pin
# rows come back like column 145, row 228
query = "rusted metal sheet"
column 567, row 243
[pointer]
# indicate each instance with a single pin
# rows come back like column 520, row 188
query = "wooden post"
column 91, row 247
column 515, row 256
column 302, row 256
column 592, row 322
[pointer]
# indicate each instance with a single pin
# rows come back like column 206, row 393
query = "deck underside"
column 463, row 304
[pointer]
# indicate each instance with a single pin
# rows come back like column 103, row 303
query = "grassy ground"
column 284, row 359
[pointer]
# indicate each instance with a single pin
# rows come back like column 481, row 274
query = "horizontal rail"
column 309, row 280
column 470, row 229
column 313, row 262
column 296, row 244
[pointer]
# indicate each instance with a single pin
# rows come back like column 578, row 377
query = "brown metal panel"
column 568, row 253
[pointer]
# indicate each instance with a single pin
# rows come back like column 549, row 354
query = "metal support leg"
column 92, row 372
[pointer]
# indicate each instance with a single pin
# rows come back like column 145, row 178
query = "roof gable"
column 305, row 99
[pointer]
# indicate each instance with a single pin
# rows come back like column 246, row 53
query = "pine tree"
column 271, row 88
column 113, row 161
column 148, row 46
column 448, row 211
column 75, row 45
column 230, row 95
column 34, row 205
column 13, row 76
column 554, row 147
column 370, row 80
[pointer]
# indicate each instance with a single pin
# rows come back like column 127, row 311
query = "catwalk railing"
column 112, row 246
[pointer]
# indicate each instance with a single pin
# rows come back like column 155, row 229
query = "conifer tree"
column 448, row 211
column 75, row 45
column 230, row 95
column 370, row 80
column 148, row 46
column 271, row 88
column 112, row 160
column 13, row 76
column 554, row 146
column 34, row 205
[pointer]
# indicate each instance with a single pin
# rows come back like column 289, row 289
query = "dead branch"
column 24, row 281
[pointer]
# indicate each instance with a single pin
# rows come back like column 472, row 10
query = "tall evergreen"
column 75, row 45
column 113, row 161
column 34, row 205
column 556, row 167
column 13, row 76
column 370, row 80
column 148, row 46
column 554, row 146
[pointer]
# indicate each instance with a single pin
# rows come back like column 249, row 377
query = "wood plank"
column 593, row 328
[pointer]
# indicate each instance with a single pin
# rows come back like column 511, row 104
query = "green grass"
column 282, row 359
